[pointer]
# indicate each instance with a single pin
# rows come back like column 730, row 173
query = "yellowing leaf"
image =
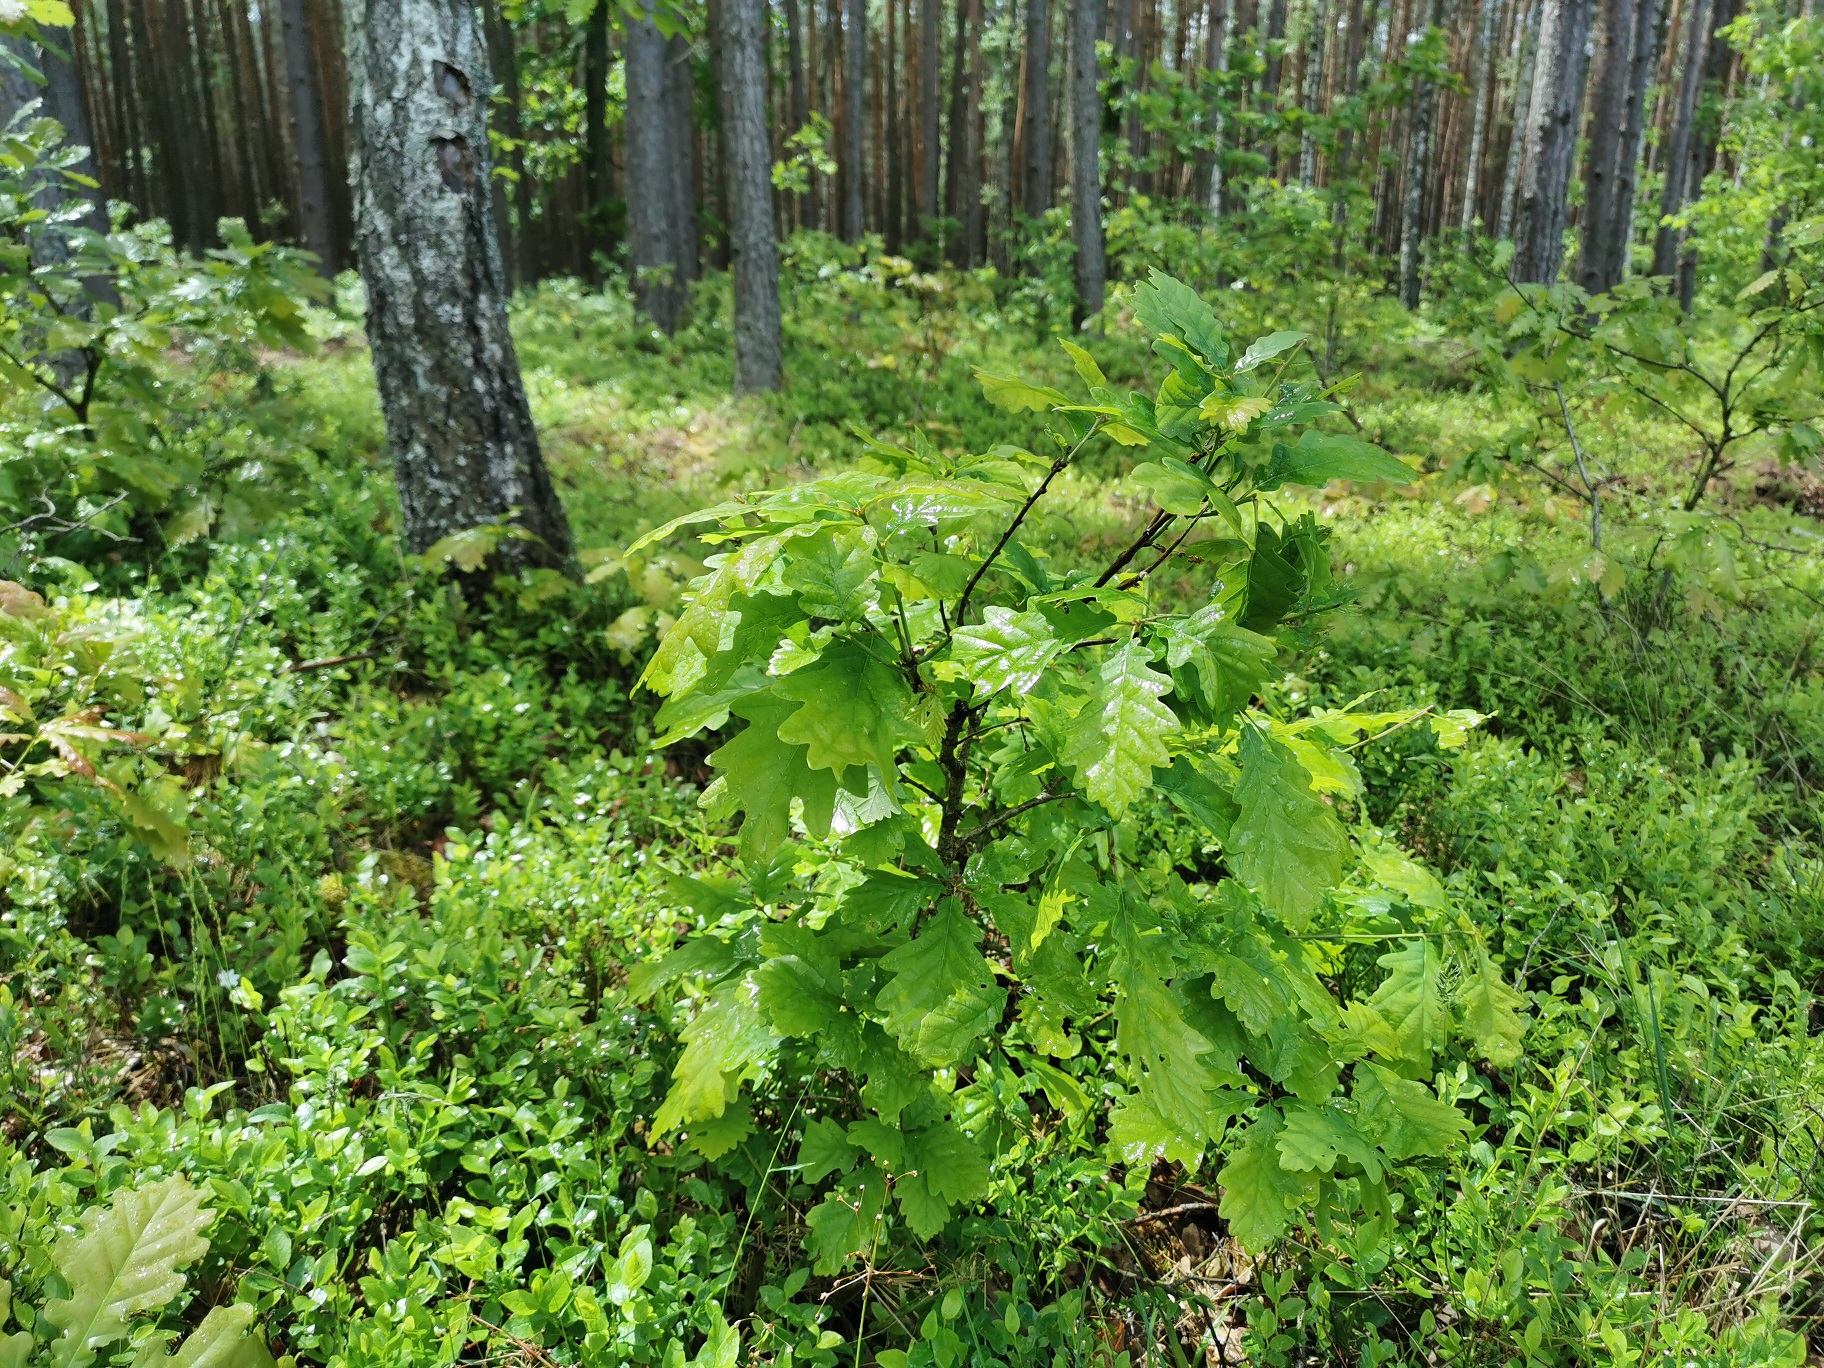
column 125, row 1263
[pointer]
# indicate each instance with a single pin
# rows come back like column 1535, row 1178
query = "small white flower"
column 12, row 11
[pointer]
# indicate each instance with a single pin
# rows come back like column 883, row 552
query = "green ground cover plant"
column 1173, row 847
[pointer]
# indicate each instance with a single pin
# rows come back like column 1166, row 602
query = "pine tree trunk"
column 969, row 152
column 598, row 162
column 1035, row 124
column 1086, row 158
column 1418, row 162
column 653, row 233
column 926, row 171
column 1222, row 34
column 305, row 106
column 1605, row 213
column 1523, row 113
column 854, row 127
column 1478, row 131
column 889, row 94
column 1679, row 145
column 1314, row 74
column 681, row 155
column 747, row 171
column 1551, row 141
column 463, row 446
column 503, row 59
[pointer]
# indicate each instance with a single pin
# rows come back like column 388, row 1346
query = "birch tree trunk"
column 1035, row 134
column 1086, row 158
column 747, row 167
column 1523, row 113
column 854, row 74
column 1551, row 141
column 1478, row 128
column 463, row 446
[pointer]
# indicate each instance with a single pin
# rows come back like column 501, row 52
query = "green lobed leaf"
column 1316, row 1137
column 942, row 997
column 1266, row 348
column 853, row 709
column 843, row 1223
column 1286, row 844
column 1227, row 663
column 824, row 1150
column 835, row 573
column 1490, row 1014
column 1407, row 1120
column 1167, row 305
column 1008, row 651
column 728, row 1038
column 1259, row 1194
column 1317, row 458
column 1017, row 395
column 124, row 1263
column 1162, row 1050
column 763, row 775
column 1119, row 736
column 1411, row 998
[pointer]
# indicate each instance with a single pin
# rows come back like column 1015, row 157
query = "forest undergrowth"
column 348, row 906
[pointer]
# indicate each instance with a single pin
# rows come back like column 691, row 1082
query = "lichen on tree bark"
column 463, row 446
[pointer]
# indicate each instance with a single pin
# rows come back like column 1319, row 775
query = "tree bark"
column 503, row 58
column 681, row 142
column 598, row 163
column 1679, row 146
column 1314, row 74
column 1035, row 130
column 1086, row 158
column 854, row 130
column 1618, row 91
column 926, row 170
column 889, row 95
column 1221, row 36
column 463, row 446
column 747, row 168
column 651, row 235
column 970, row 236
column 1478, row 131
column 1418, row 164
column 304, row 96
column 1523, row 107
column 1551, row 141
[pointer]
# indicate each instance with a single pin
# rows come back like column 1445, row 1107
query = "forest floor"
column 372, row 1005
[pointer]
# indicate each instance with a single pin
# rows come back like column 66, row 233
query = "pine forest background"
column 960, row 139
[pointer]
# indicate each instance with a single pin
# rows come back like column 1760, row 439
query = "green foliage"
column 126, row 1266
column 969, row 741
column 99, row 432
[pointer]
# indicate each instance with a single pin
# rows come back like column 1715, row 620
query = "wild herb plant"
column 972, row 742
column 102, row 429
